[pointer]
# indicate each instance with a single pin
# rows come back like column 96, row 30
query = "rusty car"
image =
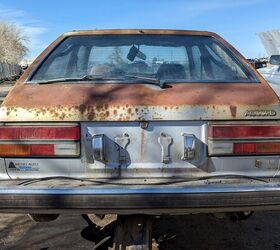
column 146, row 122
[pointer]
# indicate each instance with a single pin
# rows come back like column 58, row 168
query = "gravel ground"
column 261, row 231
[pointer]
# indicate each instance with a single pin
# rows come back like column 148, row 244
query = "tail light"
column 243, row 139
column 40, row 141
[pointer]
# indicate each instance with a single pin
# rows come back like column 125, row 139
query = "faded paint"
column 134, row 102
column 139, row 113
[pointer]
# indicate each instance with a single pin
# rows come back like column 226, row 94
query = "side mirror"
column 275, row 60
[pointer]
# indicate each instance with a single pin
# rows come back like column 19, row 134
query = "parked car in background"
column 147, row 122
column 272, row 73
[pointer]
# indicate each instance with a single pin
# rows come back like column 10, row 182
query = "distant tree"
column 12, row 43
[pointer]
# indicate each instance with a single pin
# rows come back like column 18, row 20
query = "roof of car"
column 138, row 31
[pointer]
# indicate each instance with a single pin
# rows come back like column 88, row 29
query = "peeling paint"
column 137, row 113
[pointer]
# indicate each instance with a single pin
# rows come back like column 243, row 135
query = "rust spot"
column 129, row 111
column 233, row 110
column 62, row 116
column 82, row 108
column 91, row 116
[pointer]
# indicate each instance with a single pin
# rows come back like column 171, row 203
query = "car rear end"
column 150, row 142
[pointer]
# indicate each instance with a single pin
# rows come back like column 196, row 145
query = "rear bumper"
column 138, row 199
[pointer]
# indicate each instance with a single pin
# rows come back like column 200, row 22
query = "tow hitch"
column 119, row 232
column 133, row 232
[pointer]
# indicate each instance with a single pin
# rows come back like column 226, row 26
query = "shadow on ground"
column 261, row 231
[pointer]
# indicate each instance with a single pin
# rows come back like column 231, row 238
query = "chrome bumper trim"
column 128, row 190
column 150, row 200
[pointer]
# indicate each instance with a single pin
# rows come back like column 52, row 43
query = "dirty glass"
column 165, row 57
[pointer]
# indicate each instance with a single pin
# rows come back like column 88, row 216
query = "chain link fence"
column 9, row 71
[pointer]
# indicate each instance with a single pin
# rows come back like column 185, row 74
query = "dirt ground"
column 261, row 231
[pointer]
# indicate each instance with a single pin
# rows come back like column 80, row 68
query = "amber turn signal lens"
column 26, row 150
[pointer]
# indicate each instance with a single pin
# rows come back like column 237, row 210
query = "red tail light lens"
column 243, row 131
column 243, row 139
column 40, row 133
column 40, row 141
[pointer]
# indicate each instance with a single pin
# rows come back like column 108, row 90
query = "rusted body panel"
column 132, row 102
column 80, row 102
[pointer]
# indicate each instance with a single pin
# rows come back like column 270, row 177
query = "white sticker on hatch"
column 20, row 166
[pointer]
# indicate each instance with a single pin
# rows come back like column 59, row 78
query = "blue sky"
column 237, row 21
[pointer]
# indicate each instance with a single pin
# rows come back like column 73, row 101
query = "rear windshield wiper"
column 55, row 80
column 161, row 83
column 77, row 79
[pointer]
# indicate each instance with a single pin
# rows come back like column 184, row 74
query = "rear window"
column 165, row 57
